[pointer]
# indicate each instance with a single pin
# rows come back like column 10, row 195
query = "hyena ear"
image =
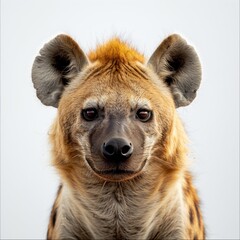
column 60, row 60
column 178, row 65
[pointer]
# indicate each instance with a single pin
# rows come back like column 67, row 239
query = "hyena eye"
column 143, row 115
column 90, row 114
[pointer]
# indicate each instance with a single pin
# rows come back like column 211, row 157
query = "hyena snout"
column 117, row 150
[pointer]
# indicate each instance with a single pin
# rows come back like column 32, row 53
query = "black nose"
column 117, row 149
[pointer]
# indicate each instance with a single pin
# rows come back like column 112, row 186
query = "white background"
column 29, row 183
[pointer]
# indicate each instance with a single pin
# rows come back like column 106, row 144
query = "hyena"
column 118, row 144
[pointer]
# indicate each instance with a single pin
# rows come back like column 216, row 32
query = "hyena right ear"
column 178, row 65
column 60, row 60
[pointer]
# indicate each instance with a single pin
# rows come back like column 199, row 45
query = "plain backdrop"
column 29, row 183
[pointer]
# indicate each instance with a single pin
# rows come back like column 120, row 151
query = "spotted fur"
column 158, row 200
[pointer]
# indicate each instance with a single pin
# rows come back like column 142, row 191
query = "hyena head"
column 116, row 112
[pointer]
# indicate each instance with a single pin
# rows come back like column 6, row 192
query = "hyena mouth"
column 117, row 173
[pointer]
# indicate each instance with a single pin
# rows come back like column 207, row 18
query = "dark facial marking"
column 195, row 237
column 59, row 189
column 191, row 218
column 54, row 217
column 198, row 213
column 54, row 209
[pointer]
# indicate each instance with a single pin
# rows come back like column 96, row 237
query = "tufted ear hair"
column 60, row 60
column 178, row 65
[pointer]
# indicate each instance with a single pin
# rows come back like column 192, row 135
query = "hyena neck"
column 116, row 210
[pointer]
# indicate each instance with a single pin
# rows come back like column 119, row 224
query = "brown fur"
column 156, row 202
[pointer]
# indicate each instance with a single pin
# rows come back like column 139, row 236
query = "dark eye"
column 143, row 115
column 90, row 114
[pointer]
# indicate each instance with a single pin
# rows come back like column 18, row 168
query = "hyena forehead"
column 95, row 102
column 138, row 102
column 133, row 102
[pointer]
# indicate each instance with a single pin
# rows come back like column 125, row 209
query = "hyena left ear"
column 178, row 65
column 60, row 60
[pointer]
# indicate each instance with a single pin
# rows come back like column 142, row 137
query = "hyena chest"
column 112, row 216
column 117, row 214
column 119, row 218
column 128, row 218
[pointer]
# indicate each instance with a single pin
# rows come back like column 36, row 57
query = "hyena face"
column 116, row 120
column 114, row 111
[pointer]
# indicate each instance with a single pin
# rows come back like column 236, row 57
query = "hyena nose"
column 117, row 149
